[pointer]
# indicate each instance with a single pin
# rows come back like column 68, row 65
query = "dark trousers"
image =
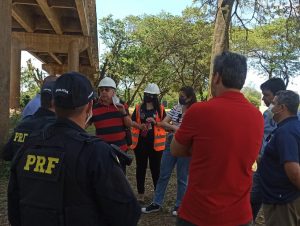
column 182, row 222
column 143, row 152
column 256, row 196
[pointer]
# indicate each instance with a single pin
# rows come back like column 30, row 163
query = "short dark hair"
column 232, row 68
column 190, row 93
column 290, row 99
column 274, row 85
column 46, row 100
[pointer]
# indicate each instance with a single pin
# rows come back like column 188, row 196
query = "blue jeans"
column 256, row 196
column 168, row 163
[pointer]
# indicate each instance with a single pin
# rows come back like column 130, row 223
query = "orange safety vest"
column 159, row 132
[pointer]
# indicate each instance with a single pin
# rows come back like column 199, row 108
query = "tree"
column 157, row 48
column 252, row 95
column 273, row 49
column 31, row 80
column 245, row 14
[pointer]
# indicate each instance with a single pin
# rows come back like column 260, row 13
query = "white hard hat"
column 107, row 82
column 152, row 88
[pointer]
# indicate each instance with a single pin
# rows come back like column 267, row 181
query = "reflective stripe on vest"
column 159, row 132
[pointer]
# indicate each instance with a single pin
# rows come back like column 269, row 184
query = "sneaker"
column 140, row 197
column 151, row 208
column 175, row 211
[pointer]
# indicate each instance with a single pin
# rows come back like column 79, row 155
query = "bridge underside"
column 62, row 34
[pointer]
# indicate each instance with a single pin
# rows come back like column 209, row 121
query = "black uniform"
column 66, row 177
column 37, row 121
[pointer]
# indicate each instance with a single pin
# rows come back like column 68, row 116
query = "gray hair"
column 290, row 99
column 232, row 68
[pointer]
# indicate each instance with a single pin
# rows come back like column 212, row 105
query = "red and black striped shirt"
column 109, row 124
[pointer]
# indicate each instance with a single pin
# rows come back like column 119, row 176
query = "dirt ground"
column 162, row 218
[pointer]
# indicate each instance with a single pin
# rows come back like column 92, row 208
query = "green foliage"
column 31, row 82
column 175, row 51
column 274, row 48
column 164, row 49
column 252, row 95
column 14, row 119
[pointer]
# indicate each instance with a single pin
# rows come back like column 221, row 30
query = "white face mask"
column 270, row 112
column 115, row 100
column 89, row 116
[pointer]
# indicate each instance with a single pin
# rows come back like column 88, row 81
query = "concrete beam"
column 55, row 58
column 51, row 16
column 24, row 18
column 93, row 48
column 73, row 56
column 62, row 4
column 60, row 69
column 24, row 2
column 83, row 16
column 15, row 75
column 36, row 56
column 34, row 42
column 5, row 50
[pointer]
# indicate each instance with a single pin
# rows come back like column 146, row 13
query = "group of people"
column 61, row 175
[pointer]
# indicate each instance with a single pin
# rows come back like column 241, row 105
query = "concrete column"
column 73, row 56
column 5, row 50
column 15, row 75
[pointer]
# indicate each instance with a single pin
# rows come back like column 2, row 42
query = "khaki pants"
column 282, row 215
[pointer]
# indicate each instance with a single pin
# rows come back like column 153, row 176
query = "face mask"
column 148, row 99
column 270, row 112
column 89, row 116
column 182, row 101
column 115, row 100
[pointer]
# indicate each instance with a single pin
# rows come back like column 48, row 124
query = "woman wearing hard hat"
column 148, row 139
column 187, row 97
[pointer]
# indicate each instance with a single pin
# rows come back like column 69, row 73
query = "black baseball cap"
column 48, row 88
column 72, row 90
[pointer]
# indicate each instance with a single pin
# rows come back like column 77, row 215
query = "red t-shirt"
column 225, row 134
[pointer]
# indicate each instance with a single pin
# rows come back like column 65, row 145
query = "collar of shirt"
column 291, row 118
column 43, row 112
column 231, row 94
column 64, row 122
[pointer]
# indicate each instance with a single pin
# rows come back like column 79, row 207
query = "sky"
column 122, row 8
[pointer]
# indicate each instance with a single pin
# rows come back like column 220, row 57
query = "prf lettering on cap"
column 40, row 164
column 20, row 137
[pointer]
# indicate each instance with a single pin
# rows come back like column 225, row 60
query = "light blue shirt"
column 32, row 106
column 269, row 126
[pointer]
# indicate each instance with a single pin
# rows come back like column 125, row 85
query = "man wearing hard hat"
column 110, row 117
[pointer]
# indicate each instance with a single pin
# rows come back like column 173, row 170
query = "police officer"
column 63, row 176
column 44, row 116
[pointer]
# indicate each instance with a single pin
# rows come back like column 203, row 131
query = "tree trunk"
column 5, row 61
column 221, row 33
column 137, row 89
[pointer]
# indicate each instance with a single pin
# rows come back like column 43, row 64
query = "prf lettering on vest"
column 41, row 164
column 20, row 137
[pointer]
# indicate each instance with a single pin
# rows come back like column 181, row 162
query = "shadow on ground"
column 162, row 218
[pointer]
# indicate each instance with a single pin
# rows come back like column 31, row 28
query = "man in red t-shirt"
column 223, row 137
